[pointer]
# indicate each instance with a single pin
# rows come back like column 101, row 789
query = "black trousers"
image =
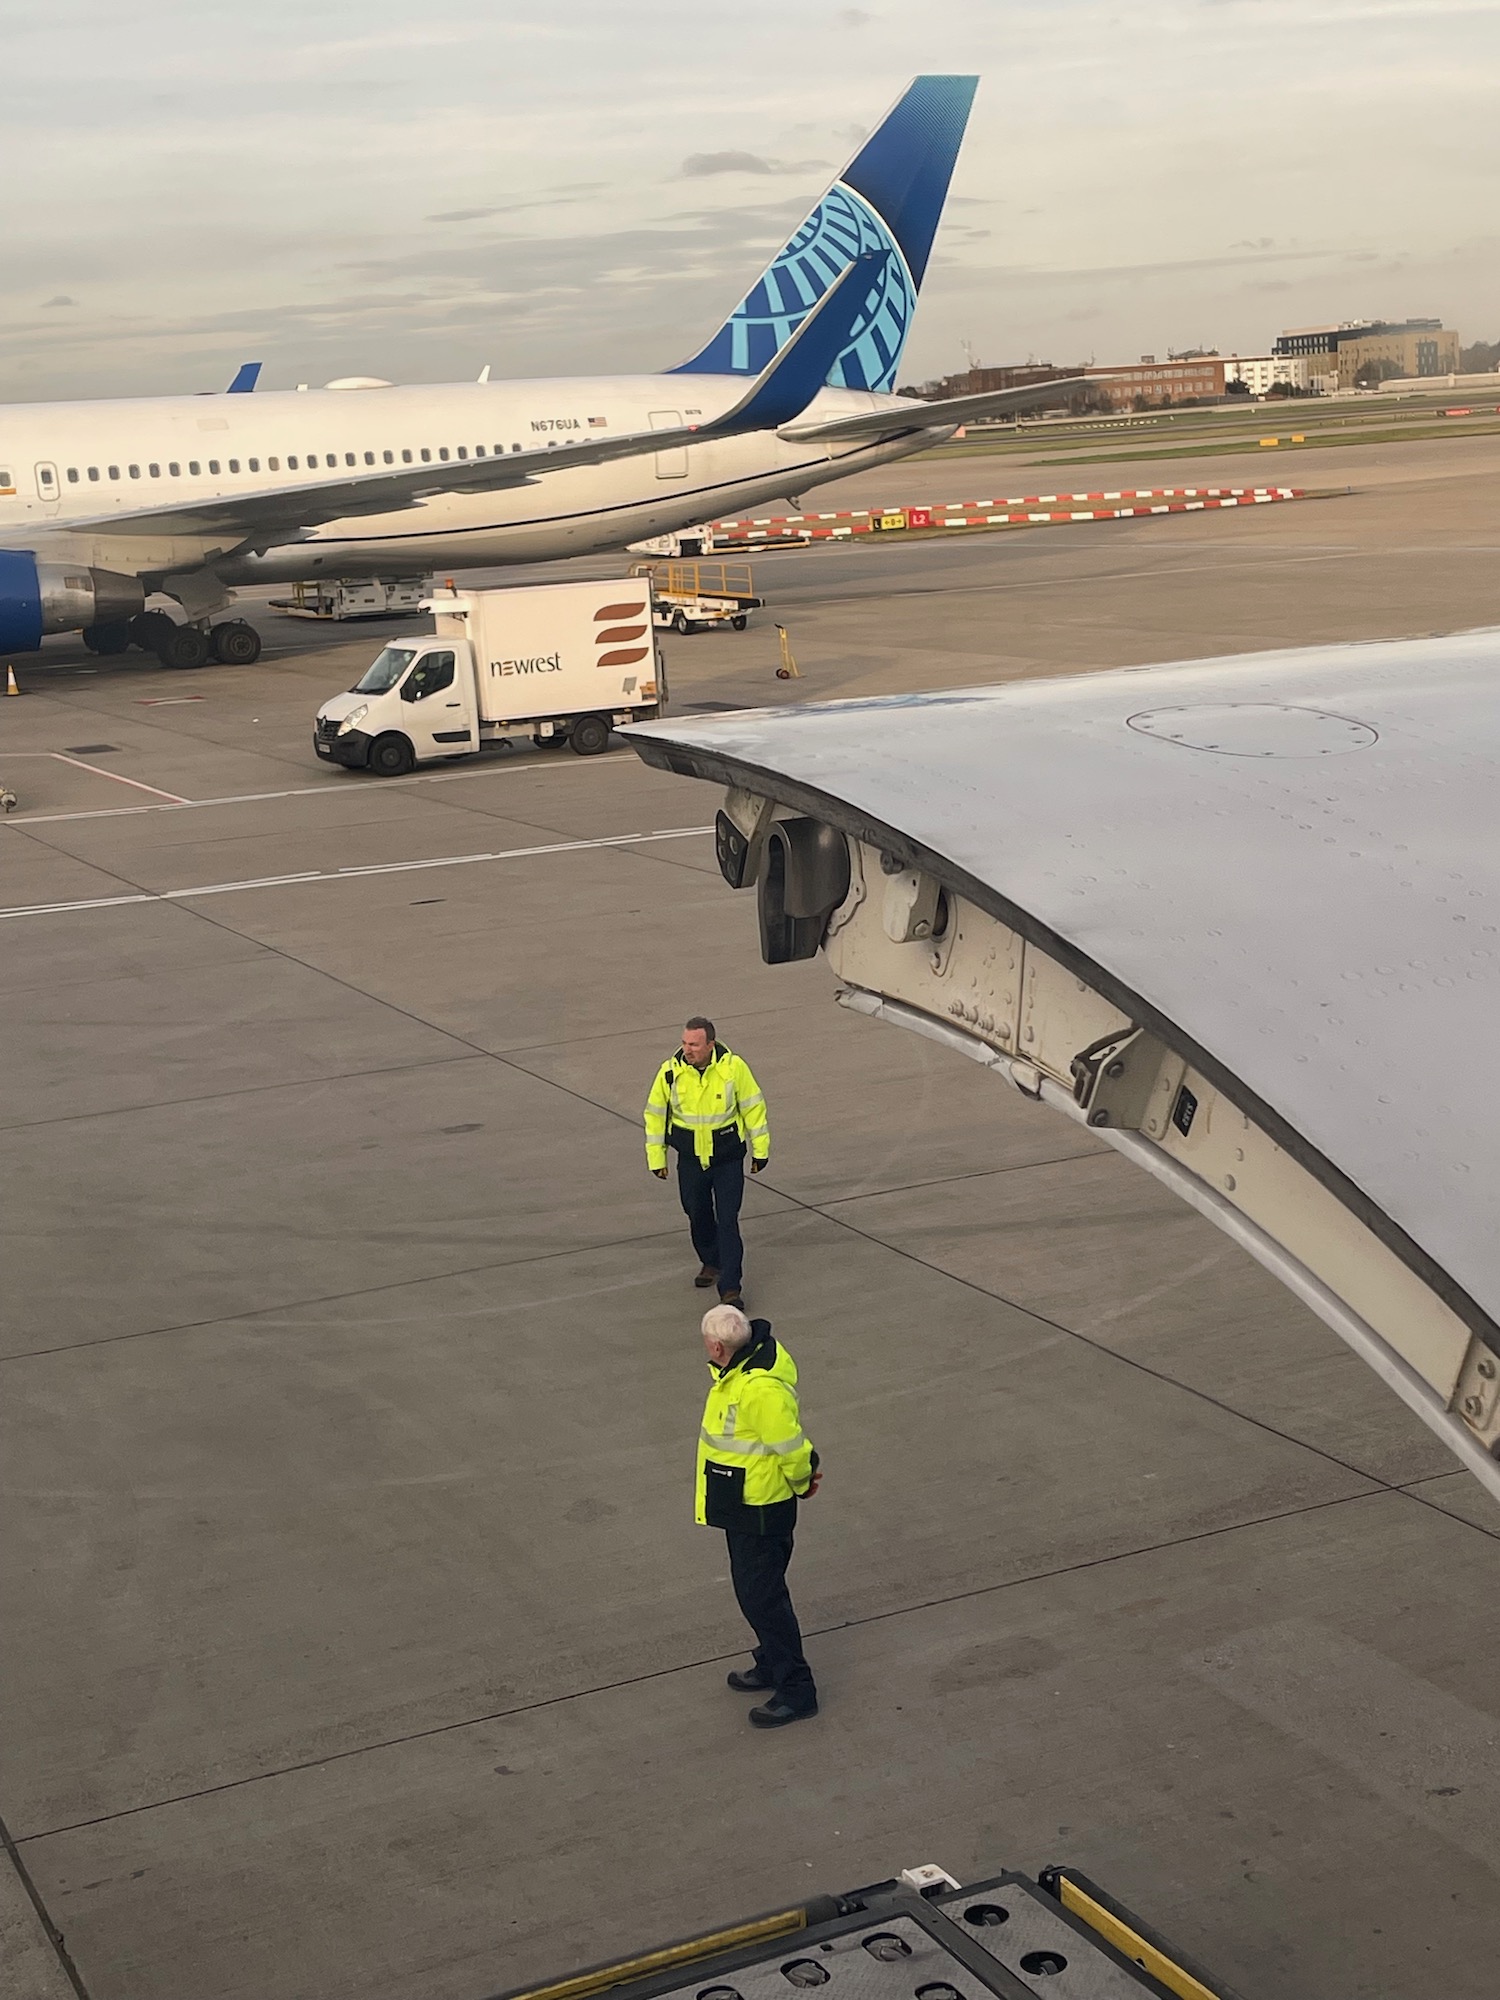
column 711, row 1198
column 757, row 1565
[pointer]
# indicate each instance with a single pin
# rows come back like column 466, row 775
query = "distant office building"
column 1260, row 373
column 1360, row 354
column 1148, row 382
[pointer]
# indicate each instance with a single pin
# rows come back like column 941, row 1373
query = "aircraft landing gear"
column 148, row 630
column 183, row 646
column 235, row 643
column 108, row 639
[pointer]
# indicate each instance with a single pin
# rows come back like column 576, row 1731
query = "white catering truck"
column 559, row 662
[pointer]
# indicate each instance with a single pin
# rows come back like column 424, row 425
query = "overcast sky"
column 414, row 188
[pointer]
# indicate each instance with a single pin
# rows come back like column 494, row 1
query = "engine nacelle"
column 41, row 597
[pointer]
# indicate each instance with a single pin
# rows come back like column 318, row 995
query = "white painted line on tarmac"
column 173, row 798
column 108, row 812
column 348, row 874
column 330, row 788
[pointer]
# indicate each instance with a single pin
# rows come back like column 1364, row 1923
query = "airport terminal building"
column 1358, row 354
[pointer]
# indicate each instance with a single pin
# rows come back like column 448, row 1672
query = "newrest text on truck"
column 559, row 662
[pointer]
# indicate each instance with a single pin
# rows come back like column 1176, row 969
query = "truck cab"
column 418, row 691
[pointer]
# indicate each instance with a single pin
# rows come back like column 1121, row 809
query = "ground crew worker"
column 707, row 1107
column 754, row 1464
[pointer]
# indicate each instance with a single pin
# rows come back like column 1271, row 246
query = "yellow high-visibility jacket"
column 754, row 1460
column 722, row 1098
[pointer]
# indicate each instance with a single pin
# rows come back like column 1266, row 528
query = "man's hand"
column 813, row 1484
column 660, row 1173
column 759, row 1166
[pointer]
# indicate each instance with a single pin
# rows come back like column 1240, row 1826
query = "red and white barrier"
column 1027, row 510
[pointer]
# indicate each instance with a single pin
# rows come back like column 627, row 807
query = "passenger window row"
column 421, row 455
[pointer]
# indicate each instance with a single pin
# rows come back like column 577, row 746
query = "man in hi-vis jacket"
column 708, row 1109
column 754, row 1464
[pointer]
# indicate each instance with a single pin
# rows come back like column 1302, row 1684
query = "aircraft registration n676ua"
column 103, row 503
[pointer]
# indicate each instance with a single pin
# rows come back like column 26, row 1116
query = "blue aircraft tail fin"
column 888, row 199
column 246, row 377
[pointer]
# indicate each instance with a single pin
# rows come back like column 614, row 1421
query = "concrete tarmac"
column 359, row 1640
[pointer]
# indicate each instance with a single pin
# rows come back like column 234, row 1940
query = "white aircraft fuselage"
column 86, row 461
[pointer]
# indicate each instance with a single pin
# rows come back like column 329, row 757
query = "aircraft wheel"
column 235, row 644
column 149, row 628
column 113, row 638
column 183, row 646
column 589, row 735
column 391, row 756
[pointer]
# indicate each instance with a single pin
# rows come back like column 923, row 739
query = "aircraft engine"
column 41, row 597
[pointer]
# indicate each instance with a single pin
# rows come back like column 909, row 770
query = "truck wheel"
column 114, row 638
column 739, row 621
column 682, row 623
column 183, row 646
column 589, row 735
column 391, row 756
column 235, row 643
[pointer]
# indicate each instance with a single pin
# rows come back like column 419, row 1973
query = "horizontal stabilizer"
column 897, row 419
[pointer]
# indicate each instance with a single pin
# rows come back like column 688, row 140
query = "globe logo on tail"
column 841, row 228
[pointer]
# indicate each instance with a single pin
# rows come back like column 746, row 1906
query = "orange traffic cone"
column 12, row 686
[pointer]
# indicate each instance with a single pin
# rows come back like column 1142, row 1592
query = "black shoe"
column 734, row 1298
column 706, row 1277
column 751, row 1683
column 775, row 1714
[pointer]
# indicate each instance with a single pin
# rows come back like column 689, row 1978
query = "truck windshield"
column 384, row 672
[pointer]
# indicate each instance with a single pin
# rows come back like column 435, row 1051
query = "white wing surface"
column 1240, row 916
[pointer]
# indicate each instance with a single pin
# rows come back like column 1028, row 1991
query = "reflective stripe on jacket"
column 754, row 1459
column 723, row 1096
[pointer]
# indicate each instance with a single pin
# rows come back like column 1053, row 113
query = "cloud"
column 62, row 299
column 560, row 198
column 1110, row 157
column 698, row 166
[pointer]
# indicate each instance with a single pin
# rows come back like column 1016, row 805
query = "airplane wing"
column 1236, row 917
column 264, row 516
column 946, row 415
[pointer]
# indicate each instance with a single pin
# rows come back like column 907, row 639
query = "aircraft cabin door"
column 48, row 491
column 669, row 464
column 441, row 720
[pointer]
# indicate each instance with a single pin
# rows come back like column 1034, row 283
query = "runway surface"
column 359, row 1637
